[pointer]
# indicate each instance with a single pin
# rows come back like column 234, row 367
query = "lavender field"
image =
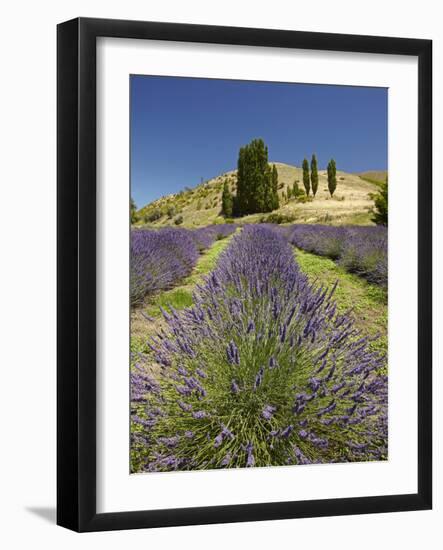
column 279, row 358
column 359, row 249
column 161, row 258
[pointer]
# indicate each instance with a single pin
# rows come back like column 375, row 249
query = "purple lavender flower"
column 250, row 460
column 259, row 378
column 268, row 412
column 169, row 441
column 232, row 353
column 301, row 458
column 327, row 409
column 200, row 414
column 315, row 384
column 186, row 407
column 287, row 431
column 358, row 446
column 226, row 460
column 226, row 432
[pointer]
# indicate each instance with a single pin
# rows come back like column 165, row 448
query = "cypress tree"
column 314, row 175
column 241, row 200
column 267, row 202
column 227, row 202
column 306, row 181
column 332, row 176
column 275, row 203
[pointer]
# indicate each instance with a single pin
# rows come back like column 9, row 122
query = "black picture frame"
column 76, row 266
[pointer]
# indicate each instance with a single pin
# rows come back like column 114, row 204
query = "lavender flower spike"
column 268, row 412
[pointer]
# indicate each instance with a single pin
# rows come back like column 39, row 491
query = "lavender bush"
column 159, row 259
column 206, row 236
column 359, row 249
column 261, row 371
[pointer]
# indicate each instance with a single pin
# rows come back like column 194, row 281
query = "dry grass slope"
column 352, row 202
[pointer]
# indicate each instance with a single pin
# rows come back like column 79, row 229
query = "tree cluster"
column 257, row 182
column 310, row 182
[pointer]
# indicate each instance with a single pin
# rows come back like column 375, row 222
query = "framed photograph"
column 244, row 274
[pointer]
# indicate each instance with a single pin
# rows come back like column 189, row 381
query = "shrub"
column 296, row 191
column 304, row 198
column 133, row 211
column 178, row 220
column 153, row 215
column 381, row 205
column 171, row 211
column 277, row 218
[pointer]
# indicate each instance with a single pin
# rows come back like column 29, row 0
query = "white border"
column 116, row 489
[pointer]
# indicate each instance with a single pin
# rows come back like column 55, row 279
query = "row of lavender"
column 160, row 258
column 262, row 370
column 359, row 249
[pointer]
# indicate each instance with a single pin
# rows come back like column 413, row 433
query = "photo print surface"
column 258, row 274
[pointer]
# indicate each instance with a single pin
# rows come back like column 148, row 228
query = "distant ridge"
column 375, row 175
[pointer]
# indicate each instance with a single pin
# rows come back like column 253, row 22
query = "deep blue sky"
column 185, row 129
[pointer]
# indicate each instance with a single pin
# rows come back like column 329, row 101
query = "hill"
column 201, row 205
column 374, row 176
